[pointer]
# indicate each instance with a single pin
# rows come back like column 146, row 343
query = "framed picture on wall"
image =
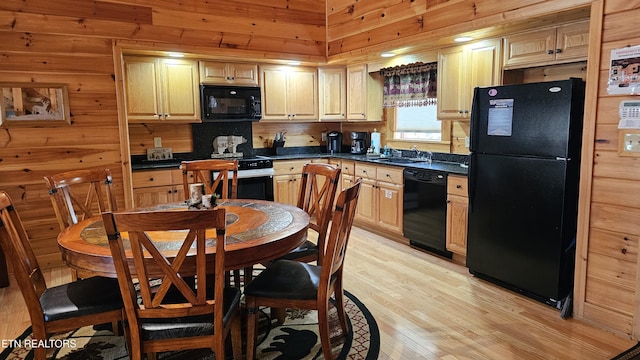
column 34, row 104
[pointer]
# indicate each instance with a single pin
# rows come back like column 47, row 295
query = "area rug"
column 297, row 338
column 632, row 354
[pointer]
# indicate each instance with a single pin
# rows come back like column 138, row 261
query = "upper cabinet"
column 460, row 70
column 364, row 94
column 161, row 90
column 333, row 93
column 221, row 73
column 560, row 44
column 289, row 93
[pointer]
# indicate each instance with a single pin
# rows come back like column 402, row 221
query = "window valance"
column 410, row 85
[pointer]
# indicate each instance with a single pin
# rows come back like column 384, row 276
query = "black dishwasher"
column 425, row 209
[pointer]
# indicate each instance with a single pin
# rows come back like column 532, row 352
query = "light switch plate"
column 632, row 142
column 157, row 142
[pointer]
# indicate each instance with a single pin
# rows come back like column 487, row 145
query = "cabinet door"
column 151, row 196
column 530, row 47
column 285, row 189
column 457, row 218
column 142, row 89
column 452, row 70
column 302, row 95
column 244, row 74
column 367, row 201
column 390, row 206
column 213, row 73
column 180, row 89
column 333, row 97
column 572, row 41
column 357, row 92
column 274, row 94
column 483, row 59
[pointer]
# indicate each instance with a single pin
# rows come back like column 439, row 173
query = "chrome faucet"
column 422, row 154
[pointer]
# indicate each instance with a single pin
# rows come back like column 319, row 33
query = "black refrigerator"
column 523, row 186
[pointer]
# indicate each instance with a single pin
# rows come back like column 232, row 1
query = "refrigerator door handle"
column 471, row 181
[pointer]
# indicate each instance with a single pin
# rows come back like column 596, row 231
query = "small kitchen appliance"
column 334, row 142
column 358, row 142
column 230, row 103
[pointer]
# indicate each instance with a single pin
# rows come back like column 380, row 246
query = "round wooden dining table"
column 257, row 231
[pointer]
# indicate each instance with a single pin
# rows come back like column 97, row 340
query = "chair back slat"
column 202, row 172
column 338, row 238
column 317, row 194
column 149, row 262
column 17, row 246
column 77, row 195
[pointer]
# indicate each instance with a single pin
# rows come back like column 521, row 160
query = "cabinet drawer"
column 457, row 185
column 348, row 167
column 389, row 174
column 287, row 167
column 152, row 178
column 366, row 171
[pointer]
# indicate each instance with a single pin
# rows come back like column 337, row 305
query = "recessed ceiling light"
column 176, row 55
column 293, row 63
column 463, row 39
column 387, row 54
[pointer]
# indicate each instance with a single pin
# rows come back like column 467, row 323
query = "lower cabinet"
column 286, row 180
column 155, row 187
column 380, row 200
column 457, row 215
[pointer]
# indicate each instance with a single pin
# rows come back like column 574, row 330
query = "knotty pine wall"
column 69, row 42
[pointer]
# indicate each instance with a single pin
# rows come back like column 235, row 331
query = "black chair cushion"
column 83, row 297
column 156, row 329
column 286, row 279
column 307, row 248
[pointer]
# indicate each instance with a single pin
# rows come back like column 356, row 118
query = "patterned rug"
column 297, row 338
column 630, row 354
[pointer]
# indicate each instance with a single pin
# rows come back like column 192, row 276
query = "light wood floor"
column 426, row 308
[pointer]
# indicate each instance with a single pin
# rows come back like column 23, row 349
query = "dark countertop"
column 449, row 163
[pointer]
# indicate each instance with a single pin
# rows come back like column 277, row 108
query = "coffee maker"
column 334, row 142
column 358, row 142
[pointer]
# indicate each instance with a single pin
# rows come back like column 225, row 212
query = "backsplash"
column 203, row 135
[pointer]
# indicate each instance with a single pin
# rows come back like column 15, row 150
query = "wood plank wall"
column 69, row 42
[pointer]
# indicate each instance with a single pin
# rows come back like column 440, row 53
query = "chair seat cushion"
column 83, row 297
column 156, row 329
column 286, row 279
column 306, row 249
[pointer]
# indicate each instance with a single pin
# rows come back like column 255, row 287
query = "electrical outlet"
column 324, row 136
column 157, row 142
column 632, row 142
column 466, row 141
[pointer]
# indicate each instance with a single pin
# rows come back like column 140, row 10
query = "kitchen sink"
column 401, row 160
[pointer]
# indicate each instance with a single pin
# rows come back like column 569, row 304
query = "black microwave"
column 230, row 103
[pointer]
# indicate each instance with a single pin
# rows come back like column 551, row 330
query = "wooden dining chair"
column 293, row 284
column 174, row 315
column 200, row 171
column 317, row 194
column 91, row 301
column 80, row 194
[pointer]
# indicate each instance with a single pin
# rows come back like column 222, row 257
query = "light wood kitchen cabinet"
column 559, row 44
column 364, row 94
column 457, row 214
column 289, row 93
column 221, row 73
column 333, row 93
column 460, row 70
column 286, row 180
column 380, row 199
column 161, row 90
column 155, row 187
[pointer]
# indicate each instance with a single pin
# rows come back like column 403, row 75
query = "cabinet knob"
column 458, row 186
column 459, row 111
column 550, row 52
column 150, row 179
column 167, row 115
column 558, row 51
